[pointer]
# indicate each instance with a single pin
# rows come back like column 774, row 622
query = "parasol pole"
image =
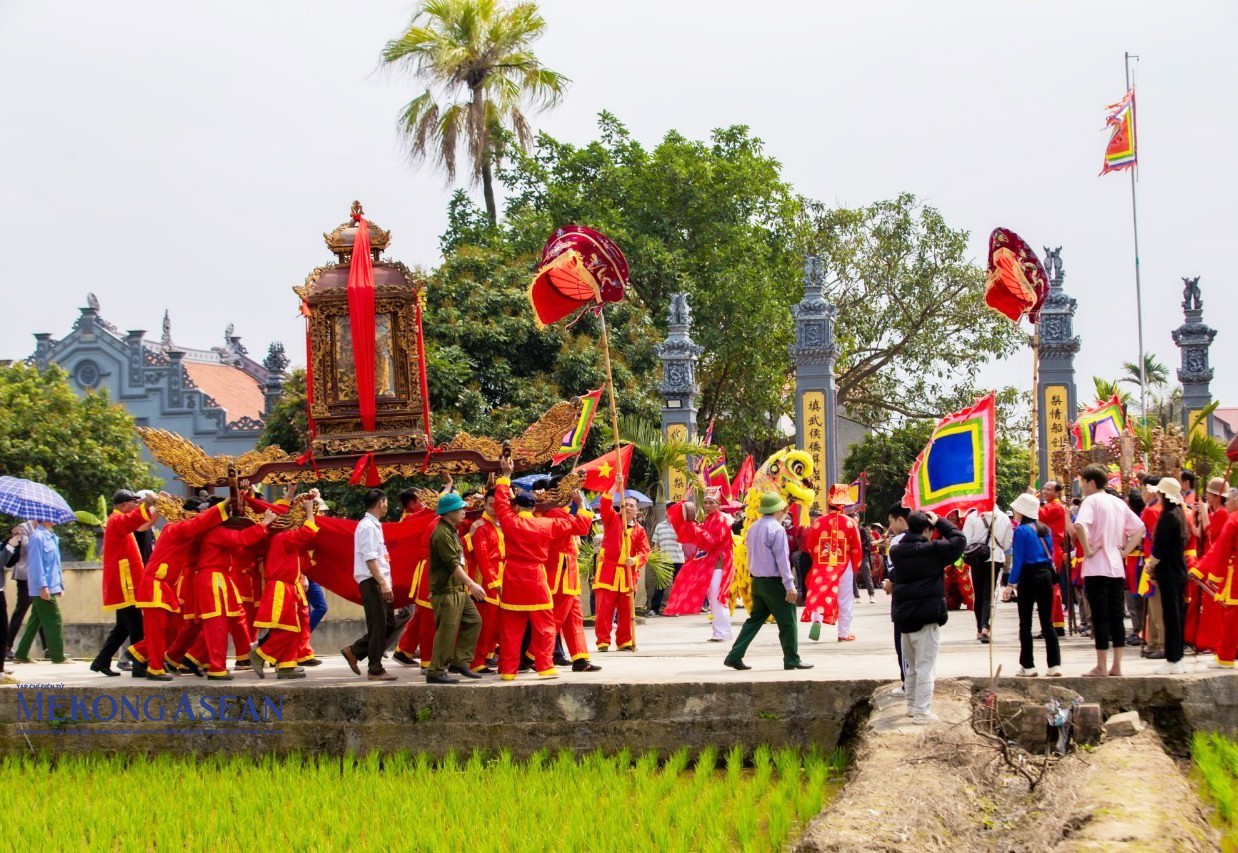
column 614, row 425
column 1034, row 471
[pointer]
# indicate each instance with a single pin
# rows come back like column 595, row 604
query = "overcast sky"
column 189, row 156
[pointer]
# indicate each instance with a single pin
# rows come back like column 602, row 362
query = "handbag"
column 979, row 554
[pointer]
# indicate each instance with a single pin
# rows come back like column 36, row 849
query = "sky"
column 189, row 156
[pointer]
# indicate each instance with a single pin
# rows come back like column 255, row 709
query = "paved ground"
column 677, row 650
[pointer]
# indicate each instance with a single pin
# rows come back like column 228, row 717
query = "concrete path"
column 677, row 650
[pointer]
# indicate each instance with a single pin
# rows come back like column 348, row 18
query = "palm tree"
column 474, row 58
column 1106, row 388
column 663, row 455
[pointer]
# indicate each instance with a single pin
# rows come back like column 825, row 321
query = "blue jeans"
column 317, row 600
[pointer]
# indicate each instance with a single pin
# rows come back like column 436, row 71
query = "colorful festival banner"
column 716, row 474
column 1120, row 153
column 1098, row 424
column 574, row 439
column 958, row 467
column 857, row 493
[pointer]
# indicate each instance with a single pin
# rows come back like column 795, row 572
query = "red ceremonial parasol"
column 580, row 268
column 1017, row 283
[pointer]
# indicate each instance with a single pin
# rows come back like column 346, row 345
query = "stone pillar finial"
column 1194, row 338
column 1057, row 397
column 816, row 402
column 679, row 355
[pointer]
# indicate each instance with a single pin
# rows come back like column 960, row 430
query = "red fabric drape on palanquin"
column 361, row 320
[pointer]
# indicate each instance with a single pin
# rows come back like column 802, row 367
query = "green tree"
column 1155, row 374
column 710, row 218
column 474, row 58
column 83, row 447
column 887, row 457
column 912, row 326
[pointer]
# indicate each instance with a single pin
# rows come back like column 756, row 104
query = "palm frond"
column 661, row 569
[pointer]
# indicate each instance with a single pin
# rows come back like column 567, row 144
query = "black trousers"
column 898, row 647
column 1105, row 597
column 982, row 578
column 1171, row 587
column 1036, row 589
column 19, row 615
column 379, row 624
column 128, row 625
column 658, row 594
column 862, row 577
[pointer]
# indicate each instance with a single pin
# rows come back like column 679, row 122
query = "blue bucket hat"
column 449, row 502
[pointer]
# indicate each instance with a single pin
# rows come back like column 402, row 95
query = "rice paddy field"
column 1216, row 763
column 735, row 801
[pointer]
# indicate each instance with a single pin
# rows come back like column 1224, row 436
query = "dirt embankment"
column 942, row 787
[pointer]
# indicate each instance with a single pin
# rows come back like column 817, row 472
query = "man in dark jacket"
column 919, row 608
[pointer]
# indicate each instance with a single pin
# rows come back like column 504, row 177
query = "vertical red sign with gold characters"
column 1056, row 404
column 812, row 419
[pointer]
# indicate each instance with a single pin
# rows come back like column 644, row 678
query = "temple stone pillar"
column 1057, row 397
column 816, row 404
column 1193, row 339
column 678, row 387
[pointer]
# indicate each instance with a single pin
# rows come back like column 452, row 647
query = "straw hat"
column 1171, row 489
column 1027, row 505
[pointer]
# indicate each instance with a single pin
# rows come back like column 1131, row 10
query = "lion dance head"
column 788, row 472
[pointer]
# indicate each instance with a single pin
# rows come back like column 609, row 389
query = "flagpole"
column 1143, row 380
column 614, row 424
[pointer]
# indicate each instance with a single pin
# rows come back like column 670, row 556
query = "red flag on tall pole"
column 744, row 477
column 600, row 473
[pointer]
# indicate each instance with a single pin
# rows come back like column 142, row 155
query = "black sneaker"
column 583, row 665
column 443, row 678
column 192, row 668
column 311, row 662
column 289, row 673
column 402, row 658
column 158, row 676
column 138, row 670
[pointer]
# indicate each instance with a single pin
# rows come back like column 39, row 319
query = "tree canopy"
column 83, row 447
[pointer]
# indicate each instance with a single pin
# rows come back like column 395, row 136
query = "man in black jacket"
column 919, row 608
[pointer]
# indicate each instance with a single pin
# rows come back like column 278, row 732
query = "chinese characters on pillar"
column 813, row 431
column 677, row 488
column 1056, row 405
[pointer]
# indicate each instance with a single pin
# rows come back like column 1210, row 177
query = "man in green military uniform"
column 457, row 622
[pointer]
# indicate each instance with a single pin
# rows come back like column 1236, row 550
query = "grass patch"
column 1216, row 763
column 473, row 801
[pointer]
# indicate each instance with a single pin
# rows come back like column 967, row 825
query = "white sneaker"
column 899, row 691
column 925, row 719
column 1028, row 673
column 1171, row 669
column 1054, row 672
column 1216, row 664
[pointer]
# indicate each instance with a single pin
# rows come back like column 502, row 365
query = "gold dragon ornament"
column 786, row 473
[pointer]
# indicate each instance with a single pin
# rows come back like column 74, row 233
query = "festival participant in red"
column 219, row 606
column 710, row 571
column 485, row 541
column 1053, row 516
column 1154, row 627
column 1212, row 516
column 1221, row 562
column 246, row 574
column 283, row 609
column 625, row 550
column 525, row 596
column 419, row 635
column 156, row 596
column 563, row 572
column 122, row 569
column 833, row 540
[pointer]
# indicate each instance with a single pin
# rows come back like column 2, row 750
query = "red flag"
column 716, row 475
column 744, row 477
column 600, row 473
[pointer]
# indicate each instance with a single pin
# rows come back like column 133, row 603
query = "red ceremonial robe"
column 833, row 541
column 714, row 546
column 122, row 560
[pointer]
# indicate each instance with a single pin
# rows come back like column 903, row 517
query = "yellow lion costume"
column 788, row 472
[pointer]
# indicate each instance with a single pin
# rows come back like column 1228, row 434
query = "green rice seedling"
column 706, row 765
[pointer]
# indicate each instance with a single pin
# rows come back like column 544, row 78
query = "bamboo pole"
column 614, row 423
column 1034, row 471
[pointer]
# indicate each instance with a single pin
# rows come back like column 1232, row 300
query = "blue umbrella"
column 526, row 482
column 642, row 500
column 32, row 501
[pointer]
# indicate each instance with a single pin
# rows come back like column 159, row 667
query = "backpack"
column 979, row 553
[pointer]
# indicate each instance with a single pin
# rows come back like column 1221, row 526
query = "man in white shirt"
column 994, row 529
column 372, row 571
column 1107, row 531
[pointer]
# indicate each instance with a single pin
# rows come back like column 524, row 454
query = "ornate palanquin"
column 401, row 444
